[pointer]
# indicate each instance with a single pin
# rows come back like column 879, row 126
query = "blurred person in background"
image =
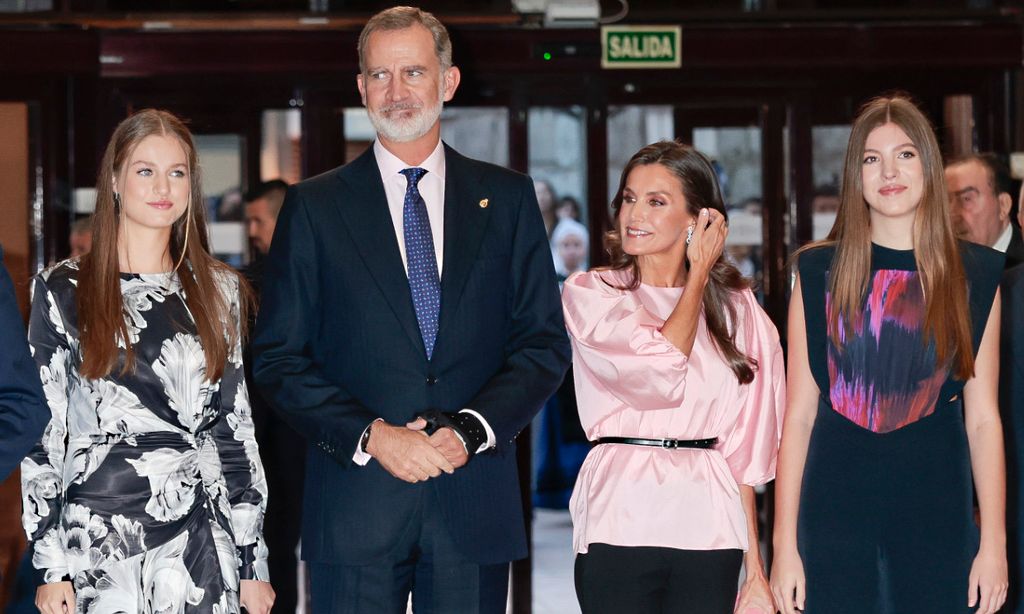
column 80, row 238
column 282, row 449
column 262, row 206
column 979, row 187
column 546, row 200
column 571, row 243
column 568, row 208
column 1011, row 402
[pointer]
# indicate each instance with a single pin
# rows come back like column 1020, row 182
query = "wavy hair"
column 700, row 188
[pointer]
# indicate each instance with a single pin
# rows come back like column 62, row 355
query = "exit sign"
column 640, row 47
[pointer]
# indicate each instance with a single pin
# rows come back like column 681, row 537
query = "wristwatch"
column 366, row 437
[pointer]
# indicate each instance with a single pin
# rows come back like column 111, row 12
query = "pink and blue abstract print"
column 884, row 376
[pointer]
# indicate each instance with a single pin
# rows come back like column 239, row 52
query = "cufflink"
column 484, row 202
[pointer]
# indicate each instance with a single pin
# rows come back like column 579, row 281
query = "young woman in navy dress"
column 893, row 361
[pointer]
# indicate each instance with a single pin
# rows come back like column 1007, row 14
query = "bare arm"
column 788, row 583
column 755, row 592
column 752, row 560
column 985, row 437
column 801, row 407
column 705, row 248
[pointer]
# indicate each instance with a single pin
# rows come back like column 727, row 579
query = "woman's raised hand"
column 708, row 240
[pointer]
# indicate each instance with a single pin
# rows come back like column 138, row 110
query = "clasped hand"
column 409, row 454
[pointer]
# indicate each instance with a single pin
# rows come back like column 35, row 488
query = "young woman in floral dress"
column 146, row 493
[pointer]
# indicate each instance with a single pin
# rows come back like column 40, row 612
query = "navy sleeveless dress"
column 886, row 514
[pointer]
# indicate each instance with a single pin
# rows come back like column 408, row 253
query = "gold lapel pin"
column 484, row 202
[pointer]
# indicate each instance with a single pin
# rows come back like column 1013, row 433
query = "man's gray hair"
column 399, row 18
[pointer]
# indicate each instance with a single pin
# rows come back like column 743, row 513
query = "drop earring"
column 689, row 234
column 117, row 204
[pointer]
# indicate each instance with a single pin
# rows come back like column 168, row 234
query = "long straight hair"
column 700, row 189
column 936, row 252
column 100, row 304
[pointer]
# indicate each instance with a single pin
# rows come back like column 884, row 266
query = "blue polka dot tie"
column 424, row 282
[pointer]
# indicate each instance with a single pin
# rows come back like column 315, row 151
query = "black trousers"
column 284, row 462
column 649, row 580
column 283, row 452
column 426, row 563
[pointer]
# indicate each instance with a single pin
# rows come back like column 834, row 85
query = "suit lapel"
column 464, row 223
column 365, row 212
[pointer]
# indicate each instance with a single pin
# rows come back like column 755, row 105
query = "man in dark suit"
column 406, row 293
column 1011, row 403
column 979, row 190
column 282, row 450
column 23, row 409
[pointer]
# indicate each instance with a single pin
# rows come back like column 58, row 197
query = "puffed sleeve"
column 235, row 434
column 752, row 447
column 42, row 481
column 620, row 342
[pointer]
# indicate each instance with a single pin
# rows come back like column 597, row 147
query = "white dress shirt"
column 431, row 188
column 1003, row 242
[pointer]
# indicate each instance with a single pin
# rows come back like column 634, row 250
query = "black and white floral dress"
column 147, row 490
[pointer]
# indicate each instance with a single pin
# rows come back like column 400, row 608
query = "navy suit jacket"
column 337, row 345
column 1011, row 404
column 23, row 410
column 1015, row 250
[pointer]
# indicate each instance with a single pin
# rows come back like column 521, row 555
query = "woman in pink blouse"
column 679, row 378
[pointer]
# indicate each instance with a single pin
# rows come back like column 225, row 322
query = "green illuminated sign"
column 640, row 47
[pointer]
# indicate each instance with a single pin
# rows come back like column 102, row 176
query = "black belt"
column 670, row 444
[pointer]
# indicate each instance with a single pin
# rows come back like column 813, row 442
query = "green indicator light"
column 547, row 55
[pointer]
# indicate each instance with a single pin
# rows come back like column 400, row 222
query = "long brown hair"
column 936, row 252
column 700, row 189
column 100, row 304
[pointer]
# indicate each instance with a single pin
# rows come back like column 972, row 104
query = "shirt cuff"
column 487, row 445
column 362, row 457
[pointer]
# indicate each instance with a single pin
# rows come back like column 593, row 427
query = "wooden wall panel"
column 14, row 203
column 14, row 174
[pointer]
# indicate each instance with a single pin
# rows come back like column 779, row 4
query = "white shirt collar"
column 391, row 165
column 1003, row 242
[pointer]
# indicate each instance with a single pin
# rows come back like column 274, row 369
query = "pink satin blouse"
column 631, row 382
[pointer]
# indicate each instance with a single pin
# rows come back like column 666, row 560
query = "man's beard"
column 404, row 130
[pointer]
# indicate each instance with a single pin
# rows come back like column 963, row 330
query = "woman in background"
column 546, row 201
column 679, row 379
column 571, row 243
column 568, row 208
column 893, row 355
column 146, row 493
